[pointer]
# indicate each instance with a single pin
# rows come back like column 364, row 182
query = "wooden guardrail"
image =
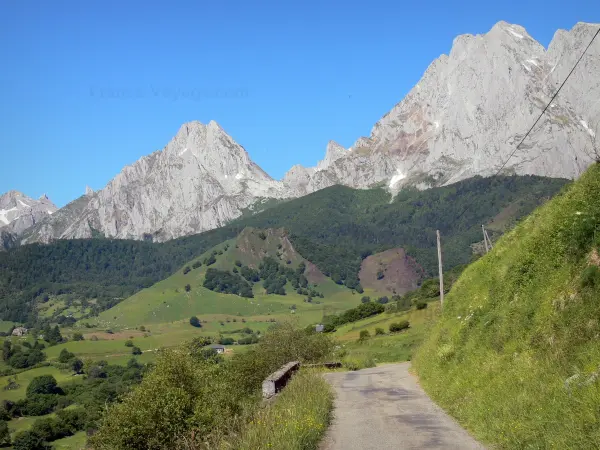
column 277, row 380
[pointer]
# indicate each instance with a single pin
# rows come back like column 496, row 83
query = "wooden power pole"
column 487, row 249
column 441, row 270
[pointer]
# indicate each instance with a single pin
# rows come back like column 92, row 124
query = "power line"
column 540, row 116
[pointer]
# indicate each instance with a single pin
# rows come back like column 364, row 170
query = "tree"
column 195, row 322
column 6, row 350
column 65, row 356
column 364, row 334
column 128, row 343
column 52, row 335
column 136, row 351
column 27, row 440
column 383, row 300
column 186, row 270
column 187, row 288
column 379, row 331
column 142, row 328
column 44, row 384
column 365, row 299
column 77, row 366
column 77, row 336
column 4, row 433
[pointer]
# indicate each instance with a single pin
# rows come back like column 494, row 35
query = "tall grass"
column 515, row 356
column 296, row 420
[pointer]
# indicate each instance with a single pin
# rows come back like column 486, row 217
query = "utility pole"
column 441, row 270
column 488, row 238
column 485, row 239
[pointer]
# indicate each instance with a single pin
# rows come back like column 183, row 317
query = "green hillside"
column 169, row 301
column 334, row 228
column 515, row 356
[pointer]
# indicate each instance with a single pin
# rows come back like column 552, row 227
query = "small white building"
column 19, row 331
column 218, row 348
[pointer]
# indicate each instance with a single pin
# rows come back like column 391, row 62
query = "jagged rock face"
column 471, row 109
column 201, row 180
column 464, row 118
column 18, row 212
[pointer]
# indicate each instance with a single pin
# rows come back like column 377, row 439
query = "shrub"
column 128, row 343
column 364, row 335
column 77, row 336
column 399, row 326
column 27, row 440
column 238, row 263
column 39, row 404
column 421, row 304
column 187, row 288
column 365, row 299
column 178, row 394
column 136, row 351
column 379, row 331
column 94, row 338
column 383, row 300
column 195, row 322
column 186, row 270
column 380, row 275
column 77, row 366
column 4, row 432
column 65, row 356
column 196, row 265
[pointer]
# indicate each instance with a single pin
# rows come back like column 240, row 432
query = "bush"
column 380, row 275
column 238, row 263
column 77, row 336
column 128, row 343
column 27, row 440
column 4, row 433
column 136, row 351
column 379, row 331
column 196, row 265
column 421, row 304
column 39, row 404
column 364, row 335
column 187, row 288
column 195, row 322
column 365, row 299
column 399, row 326
column 383, row 300
column 186, row 270
column 178, row 394
column 65, row 356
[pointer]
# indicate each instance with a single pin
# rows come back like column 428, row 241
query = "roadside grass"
column 515, row 355
column 296, row 420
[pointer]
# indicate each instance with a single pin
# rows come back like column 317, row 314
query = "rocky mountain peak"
column 19, row 212
column 333, row 152
column 464, row 117
column 89, row 191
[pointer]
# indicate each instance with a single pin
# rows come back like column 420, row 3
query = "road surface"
column 384, row 408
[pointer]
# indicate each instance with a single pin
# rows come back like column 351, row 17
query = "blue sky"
column 88, row 87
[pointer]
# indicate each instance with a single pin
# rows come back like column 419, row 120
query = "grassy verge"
column 389, row 347
column 296, row 420
column 515, row 356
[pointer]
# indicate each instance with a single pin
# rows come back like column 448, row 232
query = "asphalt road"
column 384, row 408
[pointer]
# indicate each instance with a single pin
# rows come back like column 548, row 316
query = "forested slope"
column 334, row 228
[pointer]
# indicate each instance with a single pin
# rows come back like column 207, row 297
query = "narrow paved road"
column 384, row 408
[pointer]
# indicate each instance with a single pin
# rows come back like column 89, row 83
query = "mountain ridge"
column 463, row 118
